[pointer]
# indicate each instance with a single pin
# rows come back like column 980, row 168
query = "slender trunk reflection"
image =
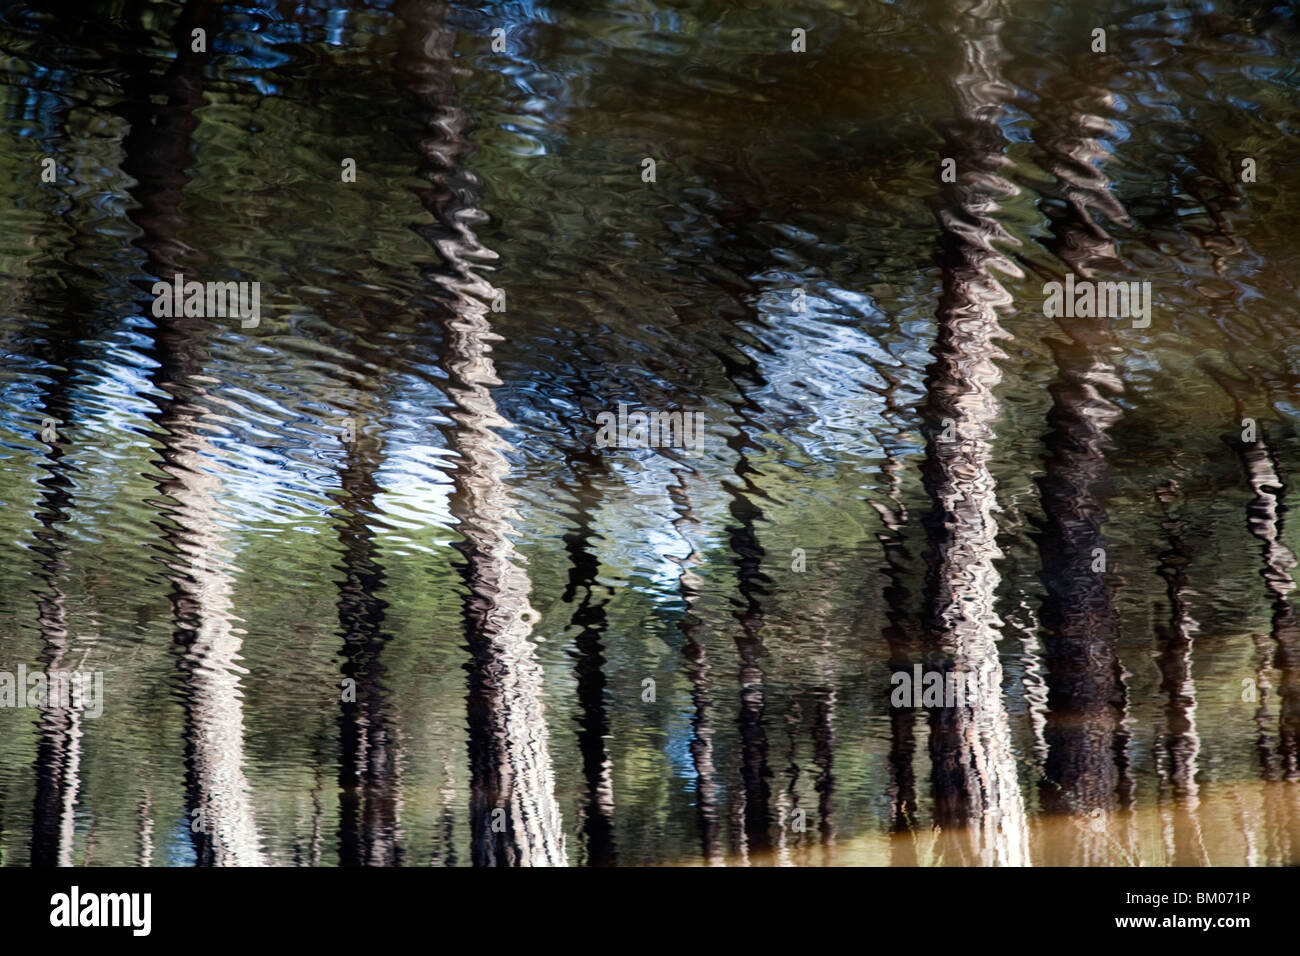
column 825, row 693
column 1176, row 766
column 590, row 619
column 157, row 153
column 1265, row 520
column 368, row 796
column 697, row 672
column 1265, row 513
column 754, row 836
column 787, row 799
column 902, row 635
column 62, row 349
column 58, row 753
column 513, row 813
column 1266, row 524
column 979, row 810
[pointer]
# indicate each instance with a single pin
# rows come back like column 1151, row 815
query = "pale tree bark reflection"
column 979, row 810
column 514, row 817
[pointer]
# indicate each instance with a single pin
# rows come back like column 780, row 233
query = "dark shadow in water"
column 589, row 617
column 698, row 673
column 369, row 771
column 754, row 836
column 824, row 694
column 903, row 638
column 1084, row 729
column 514, row 818
column 823, row 730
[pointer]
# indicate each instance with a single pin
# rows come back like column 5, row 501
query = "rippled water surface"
column 362, row 584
